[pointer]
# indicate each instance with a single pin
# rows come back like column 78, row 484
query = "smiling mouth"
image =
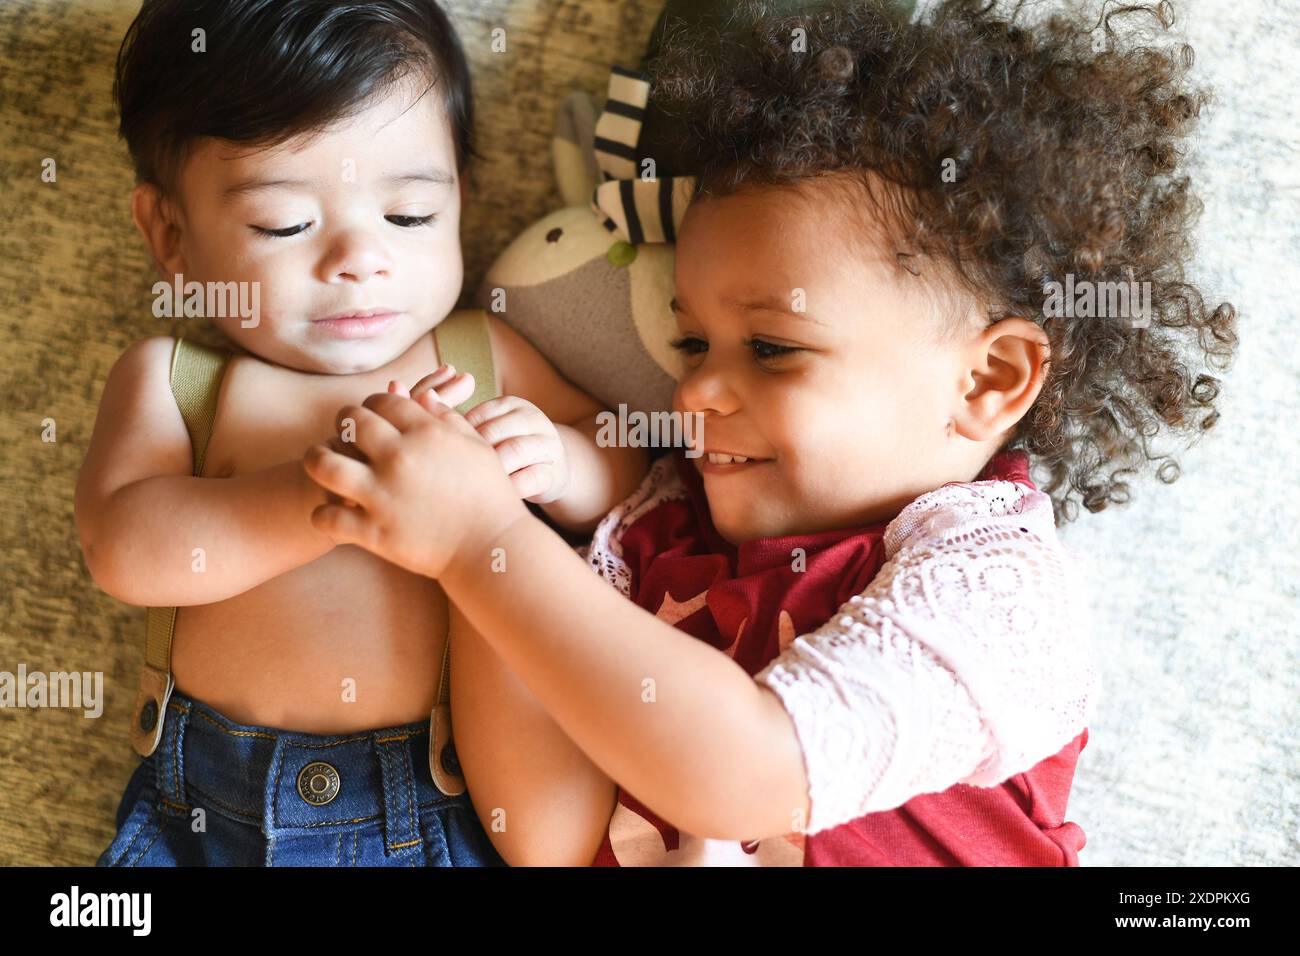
column 722, row 463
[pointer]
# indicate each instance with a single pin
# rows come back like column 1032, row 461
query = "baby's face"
column 364, row 217
column 843, row 407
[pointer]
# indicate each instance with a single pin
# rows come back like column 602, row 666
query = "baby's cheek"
column 813, row 431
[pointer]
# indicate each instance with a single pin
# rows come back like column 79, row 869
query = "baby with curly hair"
column 847, row 634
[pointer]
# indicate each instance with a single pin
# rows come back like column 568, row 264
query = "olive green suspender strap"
column 463, row 342
column 196, row 373
column 195, row 376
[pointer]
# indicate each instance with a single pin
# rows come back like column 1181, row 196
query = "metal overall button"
column 148, row 715
column 449, row 761
column 318, row 783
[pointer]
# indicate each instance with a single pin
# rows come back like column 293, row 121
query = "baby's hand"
column 426, row 488
column 449, row 387
column 528, row 444
column 526, row 441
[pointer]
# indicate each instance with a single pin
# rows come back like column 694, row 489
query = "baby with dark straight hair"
column 308, row 160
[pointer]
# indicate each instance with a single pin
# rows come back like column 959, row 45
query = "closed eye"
column 405, row 222
column 282, row 233
column 410, row 222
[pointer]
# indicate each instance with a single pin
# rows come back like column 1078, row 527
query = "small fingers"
column 440, row 376
column 516, row 423
column 520, row 451
column 348, row 448
column 366, row 430
column 533, row 480
column 339, row 474
column 495, row 408
column 447, row 415
column 342, row 524
column 453, row 392
column 398, row 411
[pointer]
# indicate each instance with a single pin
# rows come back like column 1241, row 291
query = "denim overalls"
column 271, row 797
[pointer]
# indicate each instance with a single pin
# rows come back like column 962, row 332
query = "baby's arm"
column 599, row 478
column 140, row 513
column 671, row 718
column 539, row 797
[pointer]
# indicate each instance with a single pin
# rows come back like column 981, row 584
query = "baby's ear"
column 156, row 218
column 1006, row 369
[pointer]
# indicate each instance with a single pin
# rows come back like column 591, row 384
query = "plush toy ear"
column 573, row 149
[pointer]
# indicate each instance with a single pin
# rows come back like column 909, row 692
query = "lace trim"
column 605, row 552
column 942, row 512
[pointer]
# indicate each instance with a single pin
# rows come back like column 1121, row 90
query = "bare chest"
column 267, row 414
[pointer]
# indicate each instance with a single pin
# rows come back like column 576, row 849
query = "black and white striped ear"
column 619, row 126
column 632, row 201
column 644, row 210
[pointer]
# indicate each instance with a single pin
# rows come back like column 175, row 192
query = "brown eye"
column 767, row 350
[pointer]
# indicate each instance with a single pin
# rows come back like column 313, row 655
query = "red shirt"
column 750, row 602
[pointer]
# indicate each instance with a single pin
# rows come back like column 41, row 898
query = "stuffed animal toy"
column 590, row 284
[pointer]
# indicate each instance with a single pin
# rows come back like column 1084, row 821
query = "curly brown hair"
column 1014, row 155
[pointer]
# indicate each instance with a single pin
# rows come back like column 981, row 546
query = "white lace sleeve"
column 966, row 660
column 605, row 551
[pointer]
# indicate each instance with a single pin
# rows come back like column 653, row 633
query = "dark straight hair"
column 270, row 70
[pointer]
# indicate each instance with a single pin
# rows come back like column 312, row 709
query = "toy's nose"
column 621, row 254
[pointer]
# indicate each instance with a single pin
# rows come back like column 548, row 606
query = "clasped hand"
column 415, row 482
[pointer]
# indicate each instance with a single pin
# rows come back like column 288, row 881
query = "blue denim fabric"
column 386, row 811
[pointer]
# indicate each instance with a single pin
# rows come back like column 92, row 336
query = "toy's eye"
column 554, row 234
